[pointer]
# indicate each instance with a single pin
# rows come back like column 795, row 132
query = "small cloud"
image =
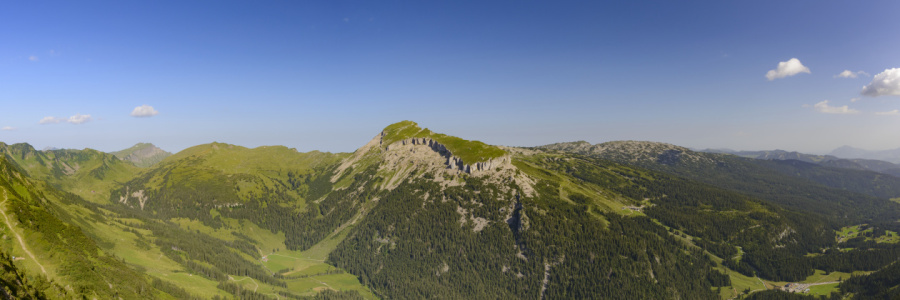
column 855, row 99
column 50, row 120
column 33, row 58
column 886, row 83
column 787, row 68
column 79, row 119
column 76, row 119
column 346, row 19
column 851, row 74
column 54, row 53
column 8, row 128
column 824, row 108
column 895, row 112
column 144, row 111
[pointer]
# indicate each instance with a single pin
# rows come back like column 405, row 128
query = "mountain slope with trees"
column 415, row 214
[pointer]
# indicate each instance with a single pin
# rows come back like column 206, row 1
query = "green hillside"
column 88, row 173
column 633, row 220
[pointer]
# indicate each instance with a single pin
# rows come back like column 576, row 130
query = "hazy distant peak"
column 142, row 154
column 891, row 155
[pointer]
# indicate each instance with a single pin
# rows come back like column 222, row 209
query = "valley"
column 416, row 214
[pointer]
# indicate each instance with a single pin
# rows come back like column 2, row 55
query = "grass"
column 852, row 231
column 823, row 290
column 888, row 237
column 603, row 199
column 896, row 199
column 468, row 151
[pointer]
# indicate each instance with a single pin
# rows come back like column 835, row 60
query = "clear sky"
column 328, row 75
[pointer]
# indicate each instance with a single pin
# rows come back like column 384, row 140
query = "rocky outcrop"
column 453, row 162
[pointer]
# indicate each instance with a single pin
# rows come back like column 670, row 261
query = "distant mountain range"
column 416, row 214
column 892, row 155
column 839, row 158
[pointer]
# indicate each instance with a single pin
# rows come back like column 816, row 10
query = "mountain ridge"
column 142, row 154
column 450, row 217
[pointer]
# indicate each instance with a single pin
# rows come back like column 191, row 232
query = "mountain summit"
column 417, row 214
column 142, row 154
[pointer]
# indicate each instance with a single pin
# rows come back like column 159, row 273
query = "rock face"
column 454, row 162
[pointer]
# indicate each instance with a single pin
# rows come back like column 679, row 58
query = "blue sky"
column 328, row 75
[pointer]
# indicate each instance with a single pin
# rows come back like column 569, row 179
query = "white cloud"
column 33, row 58
column 76, row 119
column 8, row 128
column 50, row 120
column 79, row 119
column 884, row 84
column 823, row 107
column 787, row 68
column 895, row 112
column 851, row 74
column 144, row 111
column 855, row 99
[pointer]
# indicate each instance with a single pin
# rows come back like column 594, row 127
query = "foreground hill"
column 416, row 214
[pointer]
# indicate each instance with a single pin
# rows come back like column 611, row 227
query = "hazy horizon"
column 806, row 76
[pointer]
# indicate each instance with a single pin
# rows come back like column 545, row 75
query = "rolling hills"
column 416, row 214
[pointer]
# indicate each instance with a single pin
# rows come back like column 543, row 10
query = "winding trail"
column 251, row 280
column 19, row 237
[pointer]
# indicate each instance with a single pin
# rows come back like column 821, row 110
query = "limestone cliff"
column 453, row 162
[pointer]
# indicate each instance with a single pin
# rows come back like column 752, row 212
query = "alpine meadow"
column 450, row 150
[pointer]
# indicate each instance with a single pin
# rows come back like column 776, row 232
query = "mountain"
column 892, row 155
column 142, row 154
column 417, row 214
column 812, row 188
column 879, row 166
column 88, row 173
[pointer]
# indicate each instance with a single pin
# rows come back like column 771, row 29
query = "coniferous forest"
column 398, row 221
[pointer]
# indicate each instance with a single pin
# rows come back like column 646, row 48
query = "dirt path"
column 251, row 280
column 19, row 237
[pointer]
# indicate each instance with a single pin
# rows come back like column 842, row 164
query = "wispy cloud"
column 886, row 83
column 855, row 99
column 787, row 68
column 33, row 58
column 50, row 120
column 851, row 74
column 8, row 128
column 144, row 111
column 824, row 108
column 895, row 112
column 76, row 119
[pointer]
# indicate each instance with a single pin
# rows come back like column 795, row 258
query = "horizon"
column 806, row 76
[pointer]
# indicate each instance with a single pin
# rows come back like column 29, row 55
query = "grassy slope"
column 57, row 248
column 269, row 165
column 603, row 198
column 88, row 173
column 469, row 151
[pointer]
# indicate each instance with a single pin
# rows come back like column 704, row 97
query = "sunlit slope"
column 40, row 232
column 88, row 173
column 844, row 196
